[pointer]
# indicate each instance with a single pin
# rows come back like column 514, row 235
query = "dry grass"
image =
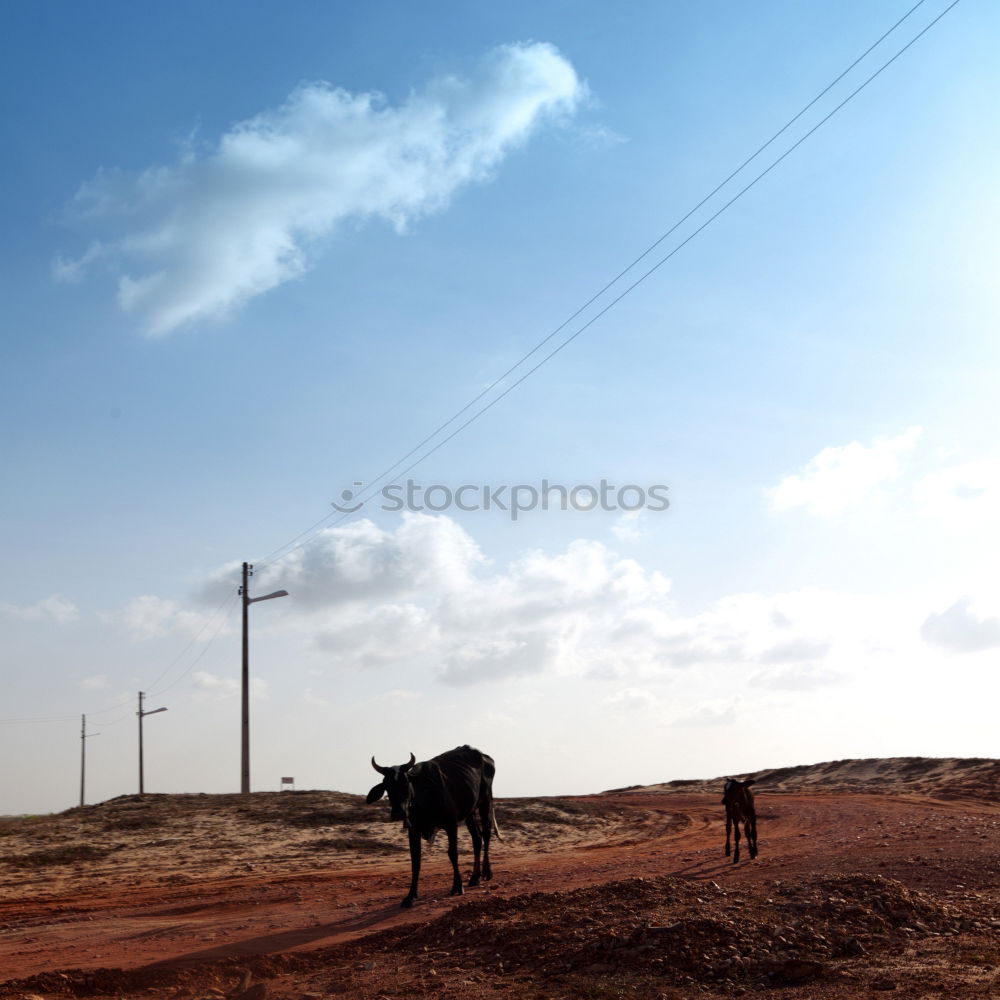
column 69, row 855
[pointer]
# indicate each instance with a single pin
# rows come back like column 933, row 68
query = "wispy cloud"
column 843, row 476
column 798, row 678
column 711, row 714
column 55, row 609
column 632, row 699
column 148, row 616
column 961, row 630
column 212, row 687
column 196, row 239
column 628, row 527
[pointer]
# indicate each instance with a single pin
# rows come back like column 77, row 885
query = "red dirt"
column 622, row 894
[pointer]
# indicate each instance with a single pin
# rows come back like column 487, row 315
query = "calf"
column 738, row 800
column 438, row 794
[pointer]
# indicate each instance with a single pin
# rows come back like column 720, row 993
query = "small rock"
column 883, row 984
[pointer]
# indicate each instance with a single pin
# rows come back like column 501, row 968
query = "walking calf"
column 738, row 800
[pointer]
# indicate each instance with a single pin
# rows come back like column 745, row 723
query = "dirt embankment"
column 940, row 777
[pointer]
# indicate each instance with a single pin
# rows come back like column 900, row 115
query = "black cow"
column 738, row 800
column 437, row 794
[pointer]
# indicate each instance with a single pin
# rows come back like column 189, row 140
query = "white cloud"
column 55, row 609
column 211, row 686
column 422, row 598
column 148, row 617
column 843, row 476
column 795, row 651
column 373, row 638
column 203, row 236
column 961, row 630
column 361, row 562
column 798, row 678
column 73, row 271
column 627, row 527
column 632, row 699
column 709, row 714
column 424, row 593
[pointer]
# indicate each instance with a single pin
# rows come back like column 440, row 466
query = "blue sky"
column 253, row 255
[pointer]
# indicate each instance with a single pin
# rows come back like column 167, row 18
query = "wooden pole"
column 141, row 783
column 83, row 755
column 245, row 721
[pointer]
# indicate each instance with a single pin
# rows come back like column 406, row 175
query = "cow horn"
column 413, row 761
column 381, row 770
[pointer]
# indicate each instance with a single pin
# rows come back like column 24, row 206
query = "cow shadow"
column 281, row 941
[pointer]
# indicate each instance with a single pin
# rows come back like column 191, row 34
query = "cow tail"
column 493, row 822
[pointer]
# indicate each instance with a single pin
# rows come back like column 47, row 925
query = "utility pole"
column 245, row 690
column 245, row 721
column 83, row 754
column 142, row 715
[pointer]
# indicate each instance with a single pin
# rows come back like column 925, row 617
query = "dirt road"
column 179, row 904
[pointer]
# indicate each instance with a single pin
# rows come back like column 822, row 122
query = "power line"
column 366, row 494
column 224, row 609
column 299, row 540
column 220, row 613
column 36, row 720
column 569, row 319
column 677, row 248
column 205, row 648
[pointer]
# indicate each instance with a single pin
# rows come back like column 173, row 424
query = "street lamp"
column 143, row 715
column 245, row 728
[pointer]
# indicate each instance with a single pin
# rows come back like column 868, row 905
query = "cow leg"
column 752, row 836
column 477, row 846
column 456, row 882
column 736, row 841
column 729, row 827
column 486, row 821
column 414, row 868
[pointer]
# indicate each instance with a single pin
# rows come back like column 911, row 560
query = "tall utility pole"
column 245, row 690
column 142, row 715
column 83, row 754
column 245, row 727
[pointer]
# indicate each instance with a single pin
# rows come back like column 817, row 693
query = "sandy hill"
column 938, row 777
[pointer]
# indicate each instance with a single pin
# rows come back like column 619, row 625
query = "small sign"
column 288, row 781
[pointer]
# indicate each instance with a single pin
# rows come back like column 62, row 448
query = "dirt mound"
column 222, row 836
column 682, row 933
column 940, row 777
